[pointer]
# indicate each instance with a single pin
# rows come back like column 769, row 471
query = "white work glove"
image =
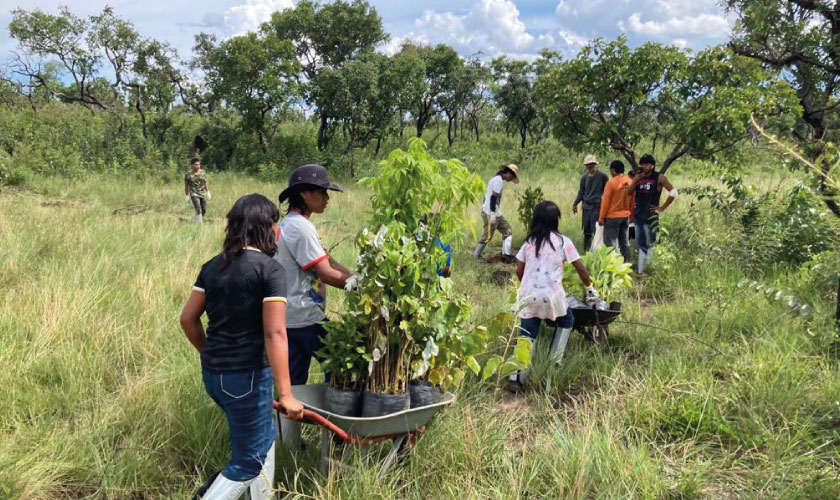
column 187, row 199
column 591, row 295
column 208, row 195
column 352, row 283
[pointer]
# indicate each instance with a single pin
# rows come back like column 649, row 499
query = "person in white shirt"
column 541, row 296
column 491, row 214
column 308, row 269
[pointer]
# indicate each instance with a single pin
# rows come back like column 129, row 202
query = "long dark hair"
column 544, row 223
column 250, row 222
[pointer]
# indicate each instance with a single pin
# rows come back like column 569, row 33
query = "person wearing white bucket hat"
column 491, row 213
column 591, row 189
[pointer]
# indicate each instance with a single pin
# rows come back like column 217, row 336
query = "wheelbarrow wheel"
column 596, row 333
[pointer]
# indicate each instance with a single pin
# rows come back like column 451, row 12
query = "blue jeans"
column 531, row 326
column 645, row 234
column 247, row 400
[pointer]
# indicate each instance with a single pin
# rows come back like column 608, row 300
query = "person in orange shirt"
column 616, row 207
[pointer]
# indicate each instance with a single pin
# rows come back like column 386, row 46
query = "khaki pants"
column 501, row 225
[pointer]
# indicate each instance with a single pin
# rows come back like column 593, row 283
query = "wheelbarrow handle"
column 312, row 417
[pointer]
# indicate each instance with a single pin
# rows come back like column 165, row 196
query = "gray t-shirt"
column 298, row 250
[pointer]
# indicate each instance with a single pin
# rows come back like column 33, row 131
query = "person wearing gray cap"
column 591, row 189
column 308, row 269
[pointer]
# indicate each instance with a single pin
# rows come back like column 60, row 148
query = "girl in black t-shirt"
column 244, row 355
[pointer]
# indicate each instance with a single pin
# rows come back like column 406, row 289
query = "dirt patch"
column 61, row 204
column 131, row 210
column 499, row 277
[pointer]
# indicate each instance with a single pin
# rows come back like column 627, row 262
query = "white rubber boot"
column 225, row 489
column 642, row 262
column 261, row 488
column 558, row 344
column 290, row 433
column 517, row 381
column 507, row 246
column 478, row 249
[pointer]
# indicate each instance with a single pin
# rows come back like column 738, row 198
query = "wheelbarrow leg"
column 392, row 456
column 326, row 443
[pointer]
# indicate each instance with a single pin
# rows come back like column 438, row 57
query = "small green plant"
column 609, row 273
column 528, row 201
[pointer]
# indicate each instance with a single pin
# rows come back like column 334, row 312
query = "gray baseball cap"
column 309, row 175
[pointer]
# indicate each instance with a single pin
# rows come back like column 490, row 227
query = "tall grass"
column 727, row 395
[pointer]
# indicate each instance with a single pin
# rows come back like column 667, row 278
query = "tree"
column 801, row 39
column 476, row 81
column 325, row 36
column 514, row 94
column 81, row 49
column 253, row 73
column 439, row 66
column 612, row 96
column 62, row 36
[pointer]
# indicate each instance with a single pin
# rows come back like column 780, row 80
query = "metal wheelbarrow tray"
column 400, row 427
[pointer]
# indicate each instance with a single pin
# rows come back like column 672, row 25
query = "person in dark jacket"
column 591, row 189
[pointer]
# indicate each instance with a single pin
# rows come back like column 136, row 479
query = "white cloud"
column 572, row 39
column 704, row 25
column 493, row 27
column 248, row 16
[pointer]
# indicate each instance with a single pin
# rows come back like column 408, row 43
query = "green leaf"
column 491, row 366
column 473, row 365
column 522, row 351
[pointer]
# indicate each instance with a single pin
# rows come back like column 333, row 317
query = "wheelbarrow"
column 401, row 427
column 593, row 322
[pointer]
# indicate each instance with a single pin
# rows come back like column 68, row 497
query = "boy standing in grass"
column 591, row 189
column 197, row 189
column 616, row 205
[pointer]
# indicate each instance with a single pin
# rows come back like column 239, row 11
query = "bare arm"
column 186, row 188
column 191, row 320
column 520, row 269
column 336, row 265
column 330, row 275
column 277, row 351
column 581, row 270
column 664, row 183
column 206, row 184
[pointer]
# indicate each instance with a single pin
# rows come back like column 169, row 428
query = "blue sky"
column 518, row 28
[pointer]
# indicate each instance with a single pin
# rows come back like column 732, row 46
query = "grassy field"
column 727, row 395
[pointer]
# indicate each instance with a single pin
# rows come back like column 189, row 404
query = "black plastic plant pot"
column 423, row 393
column 343, row 402
column 615, row 306
column 377, row 405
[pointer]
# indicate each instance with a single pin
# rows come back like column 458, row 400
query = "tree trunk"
column 421, row 124
column 139, row 107
column 261, row 136
column 378, row 145
column 475, row 127
column 523, row 133
column 449, row 136
column 322, row 133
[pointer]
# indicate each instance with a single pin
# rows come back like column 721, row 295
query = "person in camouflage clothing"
column 197, row 189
